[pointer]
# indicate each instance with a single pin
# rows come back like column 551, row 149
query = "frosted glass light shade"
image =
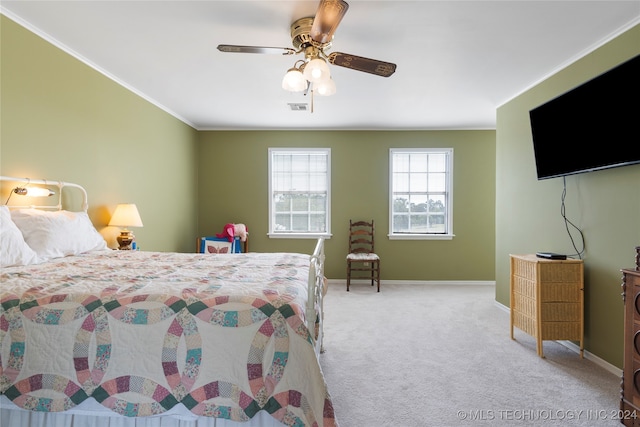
column 126, row 215
column 316, row 70
column 326, row 87
column 294, row 81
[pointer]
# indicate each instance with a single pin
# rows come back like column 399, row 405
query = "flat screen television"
column 591, row 127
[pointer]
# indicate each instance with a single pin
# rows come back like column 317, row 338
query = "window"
column 299, row 192
column 421, row 193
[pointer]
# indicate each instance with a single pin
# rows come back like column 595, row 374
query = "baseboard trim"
column 575, row 348
column 343, row 282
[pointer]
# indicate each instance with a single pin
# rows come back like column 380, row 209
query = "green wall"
column 233, row 177
column 63, row 120
column 605, row 205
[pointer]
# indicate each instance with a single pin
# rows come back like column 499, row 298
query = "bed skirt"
column 91, row 414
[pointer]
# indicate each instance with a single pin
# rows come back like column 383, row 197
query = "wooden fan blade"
column 328, row 16
column 359, row 63
column 256, row 49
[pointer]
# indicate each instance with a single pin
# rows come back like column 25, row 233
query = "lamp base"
column 125, row 239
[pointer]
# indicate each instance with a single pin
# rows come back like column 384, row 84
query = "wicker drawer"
column 547, row 298
column 561, row 330
column 561, row 292
column 560, row 312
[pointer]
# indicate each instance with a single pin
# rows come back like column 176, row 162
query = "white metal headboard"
column 59, row 184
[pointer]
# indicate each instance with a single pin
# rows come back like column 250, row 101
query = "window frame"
column 272, row 233
column 448, row 235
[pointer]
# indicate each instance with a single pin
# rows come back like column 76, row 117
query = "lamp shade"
column 294, row 81
column 316, row 70
column 126, row 215
column 326, row 87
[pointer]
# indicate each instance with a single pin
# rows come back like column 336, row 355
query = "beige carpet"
column 416, row 355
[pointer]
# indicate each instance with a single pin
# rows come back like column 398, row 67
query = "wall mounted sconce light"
column 42, row 189
column 30, row 191
column 34, row 191
column 126, row 215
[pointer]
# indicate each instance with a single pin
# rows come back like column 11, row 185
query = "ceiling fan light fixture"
column 326, row 87
column 312, row 36
column 294, row 80
column 316, row 70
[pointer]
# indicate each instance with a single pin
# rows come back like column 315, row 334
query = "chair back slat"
column 361, row 237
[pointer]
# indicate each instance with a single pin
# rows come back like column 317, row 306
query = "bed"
column 99, row 337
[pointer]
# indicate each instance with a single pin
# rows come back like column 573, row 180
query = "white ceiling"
column 457, row 60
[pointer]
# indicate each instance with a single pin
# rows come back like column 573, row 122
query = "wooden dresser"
column 547, row 299
column 630, row 386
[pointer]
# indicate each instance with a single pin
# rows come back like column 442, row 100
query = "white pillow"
column 13, row 249
column 57, row 234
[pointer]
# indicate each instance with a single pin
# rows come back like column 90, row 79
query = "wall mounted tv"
column 591, row 127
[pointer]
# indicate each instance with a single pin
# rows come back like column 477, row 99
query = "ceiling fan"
column 313, row 36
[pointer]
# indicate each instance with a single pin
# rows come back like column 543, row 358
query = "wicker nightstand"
column 547, row 299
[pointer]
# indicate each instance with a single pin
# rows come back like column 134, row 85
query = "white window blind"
column 421, row 193
column 299, row 187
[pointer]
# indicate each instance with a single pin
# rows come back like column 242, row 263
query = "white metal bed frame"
column 316, row 295
column 315, row 288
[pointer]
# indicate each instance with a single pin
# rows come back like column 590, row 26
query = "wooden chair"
column 362, row 257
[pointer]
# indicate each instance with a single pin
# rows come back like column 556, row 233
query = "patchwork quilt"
column 142, row 332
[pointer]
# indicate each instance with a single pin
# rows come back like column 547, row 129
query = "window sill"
column 299, row 236
column 421, row 236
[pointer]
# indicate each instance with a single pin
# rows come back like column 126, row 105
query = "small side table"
column 547, row 299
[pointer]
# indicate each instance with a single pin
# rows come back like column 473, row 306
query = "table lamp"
column 126, row 215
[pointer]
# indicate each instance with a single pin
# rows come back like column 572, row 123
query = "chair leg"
column 378, row 274
column 373, row 272
column 348, row 275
